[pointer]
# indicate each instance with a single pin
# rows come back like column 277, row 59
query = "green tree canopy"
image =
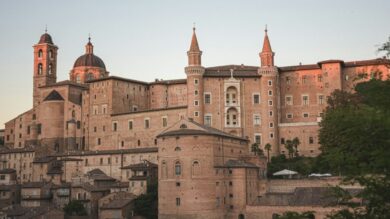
column 75, row 208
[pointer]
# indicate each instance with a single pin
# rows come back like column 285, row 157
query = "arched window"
column 50, row 69
column 90, row 76
column 195, row 168
column 164, row 170
column 232, row 117
column 78, row 79
column 40, row 53
column 40, row 69
column 73, row 114
column 231, row 95
column 51, row 54
column 177, row 168
column 85, row 196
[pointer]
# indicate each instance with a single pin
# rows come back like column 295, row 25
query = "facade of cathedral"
column 199, row 130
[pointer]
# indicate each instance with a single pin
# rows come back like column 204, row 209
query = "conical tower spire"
column 89, row 46
column 267, row 55
column 194, row 42
column 266, row 43
column 194, row 54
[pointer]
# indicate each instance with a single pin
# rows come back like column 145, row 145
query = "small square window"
column 196, row 113
column 289, row 115
column 271, row 113
column 196, row 81
column 196, row 103
column 196, row 92
column 177, row 184
column 271, row 124
column 305, row 115
column 270, row 103
column 270, row 93
column 269, row 82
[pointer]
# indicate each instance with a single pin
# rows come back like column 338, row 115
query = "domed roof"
column 89, row 59
column 45, row 38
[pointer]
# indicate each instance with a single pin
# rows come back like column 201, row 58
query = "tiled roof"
column 206, row 131
column 98, row 175
column 168, row 82
column 54, row 95
column 117, row 203
column 150, row 110
column 7, row 171
column 117, row 78
column 33, row 184
column 66, row 82
column 238, row 71
column 143, row 165
column 106, row 152
column 43, row 159
column 16, row 150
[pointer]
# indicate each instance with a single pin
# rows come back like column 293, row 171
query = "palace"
column 199, row 129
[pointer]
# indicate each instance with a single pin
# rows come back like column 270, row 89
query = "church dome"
column 45, row 38
column 89, row 60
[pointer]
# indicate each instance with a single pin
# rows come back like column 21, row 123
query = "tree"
column 385, row 47
column 295, row 143
column 147, row 204
column 268, row 147
column 355, row 141
column 289, row 145
column 75, row 208
column 295, row 215
column 256, row 149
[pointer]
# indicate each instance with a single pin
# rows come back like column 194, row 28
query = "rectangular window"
column 196, row 92
column 39, row 129
column 256, row 119
column 305, row 100
column 288, row 80
column 304, row 79
column 258, row 139
column 98, row 141
column 196, row 113
column 270, row 103
column 319, row 78
column 104, row 108
column 207, row 98
column 311, row 140
column 207, row 120
column 289, row 100
column 271, row 124
column 320, row 99
column 289, row 115
column 256, row 98
column 130, row 125
column 305, row 115
column 177, row 201
column 196, row 103
column 270, row 93
column 114, row 126
column 95, row 110
column 282, row 141
column 164, row 121
column 271, row 135
column 196, row 81
column 146, row 123
column 269, row 82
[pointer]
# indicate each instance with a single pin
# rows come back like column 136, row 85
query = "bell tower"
column 195, row 72
column 270, row 93
column 45, row 65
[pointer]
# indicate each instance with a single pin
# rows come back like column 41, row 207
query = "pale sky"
column 145, row 40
